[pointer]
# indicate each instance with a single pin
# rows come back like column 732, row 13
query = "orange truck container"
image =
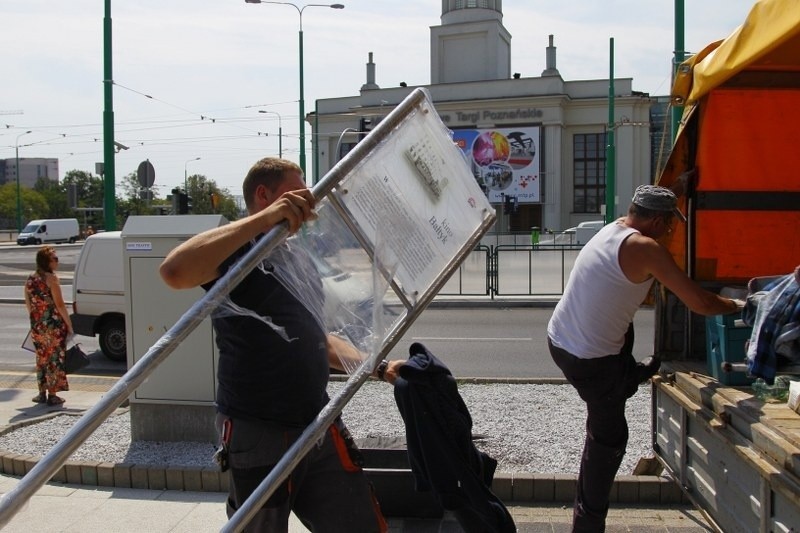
column 736, row 457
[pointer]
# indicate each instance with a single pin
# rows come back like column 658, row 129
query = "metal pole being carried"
column 435, row 173
column 314, row 432
column 13, row 501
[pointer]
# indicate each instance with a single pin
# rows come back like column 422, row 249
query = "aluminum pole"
column 316, row 430
column 13, row 501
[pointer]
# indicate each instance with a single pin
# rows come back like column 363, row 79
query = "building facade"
column 537, row 145
column 31, row 169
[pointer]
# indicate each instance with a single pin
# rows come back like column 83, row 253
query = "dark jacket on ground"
column 440, row 449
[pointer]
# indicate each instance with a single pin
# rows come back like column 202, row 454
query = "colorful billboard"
column 504, row 161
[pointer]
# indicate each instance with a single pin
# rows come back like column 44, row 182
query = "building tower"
column 471, row 44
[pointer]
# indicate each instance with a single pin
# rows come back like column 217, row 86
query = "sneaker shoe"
column 647, row 368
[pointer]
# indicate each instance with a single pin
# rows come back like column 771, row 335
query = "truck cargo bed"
column 736, row 457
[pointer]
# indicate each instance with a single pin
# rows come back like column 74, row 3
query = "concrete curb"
column 517, row 488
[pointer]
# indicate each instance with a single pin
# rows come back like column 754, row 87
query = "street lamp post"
column 341, row 138
column 302, row 98
column 186, row 175
column 280, row 131
column 19, row 198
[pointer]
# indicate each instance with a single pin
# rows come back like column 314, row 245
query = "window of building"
column 461, row 4
column 589, row 172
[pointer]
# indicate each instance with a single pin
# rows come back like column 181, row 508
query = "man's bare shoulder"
column 639, row 242
column 640, row 256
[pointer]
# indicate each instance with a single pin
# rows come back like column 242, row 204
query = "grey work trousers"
column 327, row 491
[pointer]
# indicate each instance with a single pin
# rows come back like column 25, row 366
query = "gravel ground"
column 526, row 427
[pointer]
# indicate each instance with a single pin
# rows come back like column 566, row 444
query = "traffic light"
column 184, row 203
column 176, row 196
column 508, row 204
column 72, row 195
column 214, row 197
column 364, row 126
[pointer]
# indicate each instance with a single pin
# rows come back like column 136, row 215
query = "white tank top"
column 599, row 302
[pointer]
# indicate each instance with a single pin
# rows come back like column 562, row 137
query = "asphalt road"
column 484, row 342
column 16, row 262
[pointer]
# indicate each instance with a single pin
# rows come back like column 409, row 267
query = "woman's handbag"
column 27, row 344
column 75, row 359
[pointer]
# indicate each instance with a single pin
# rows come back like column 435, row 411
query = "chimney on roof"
column 551, row 69
column 370, row 76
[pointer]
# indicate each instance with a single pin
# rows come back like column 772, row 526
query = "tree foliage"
column 33, row 205
column 135, row 202
column 201, row 190
column 89, row 188
column 49, row 199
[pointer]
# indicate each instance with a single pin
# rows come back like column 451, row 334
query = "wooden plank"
column 749, row 417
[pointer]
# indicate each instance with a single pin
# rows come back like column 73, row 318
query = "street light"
column 302, row 100
column 19, row 200
column 339, row 142
column 185, row 175
column 280, row 131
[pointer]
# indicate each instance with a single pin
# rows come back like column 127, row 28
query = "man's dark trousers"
column 605, row 384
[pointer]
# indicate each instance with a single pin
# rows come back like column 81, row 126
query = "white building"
column 540, row 141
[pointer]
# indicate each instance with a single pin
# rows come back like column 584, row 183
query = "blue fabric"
column 777, row 310
column 440, row 449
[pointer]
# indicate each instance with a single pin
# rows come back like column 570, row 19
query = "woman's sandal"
column 40, row 398
column 55, row 400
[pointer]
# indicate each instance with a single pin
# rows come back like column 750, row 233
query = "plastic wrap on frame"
column 326, row 269
column 413, row 202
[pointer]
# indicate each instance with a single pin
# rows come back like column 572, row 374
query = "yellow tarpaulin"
column 768, row 40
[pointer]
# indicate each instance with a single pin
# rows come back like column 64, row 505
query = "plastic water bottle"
column 779, row 392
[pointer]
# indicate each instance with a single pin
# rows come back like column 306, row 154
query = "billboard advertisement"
column 504, row 161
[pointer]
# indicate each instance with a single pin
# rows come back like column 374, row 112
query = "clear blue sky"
column 178, row 61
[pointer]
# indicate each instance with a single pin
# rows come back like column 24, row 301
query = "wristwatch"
column 381, row 370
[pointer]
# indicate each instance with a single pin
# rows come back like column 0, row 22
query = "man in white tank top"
column 590, row 334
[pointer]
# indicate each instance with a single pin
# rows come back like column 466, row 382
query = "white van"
column 98, row 293
column 586, row 230
column 49, row 230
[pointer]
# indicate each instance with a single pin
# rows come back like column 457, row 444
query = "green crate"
column 732, row 320
column 726, row 344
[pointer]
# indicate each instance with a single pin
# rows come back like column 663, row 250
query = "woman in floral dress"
column 50, row 327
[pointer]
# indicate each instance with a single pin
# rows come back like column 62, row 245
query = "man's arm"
column 339, row 348
column 197, row 260
column 655, row 260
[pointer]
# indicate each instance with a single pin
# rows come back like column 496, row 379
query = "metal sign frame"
column 139, row 372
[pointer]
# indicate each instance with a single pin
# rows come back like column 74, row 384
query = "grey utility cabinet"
column 176, row 402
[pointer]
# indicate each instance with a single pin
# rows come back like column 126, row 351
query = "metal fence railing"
column 512, row 267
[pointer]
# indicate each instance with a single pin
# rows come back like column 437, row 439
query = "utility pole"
column 109, row 196
column 611, row 162
column 680, row 55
